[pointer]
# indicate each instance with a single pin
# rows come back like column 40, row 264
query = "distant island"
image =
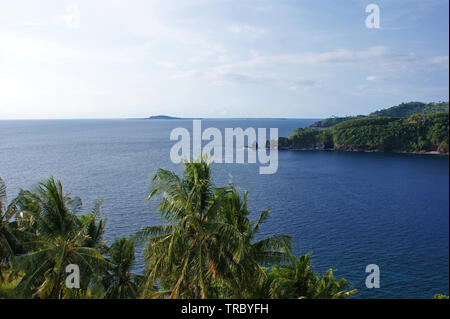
column 412, row 127
column 162, row 117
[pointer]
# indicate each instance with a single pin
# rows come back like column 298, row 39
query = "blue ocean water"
column 348, row 209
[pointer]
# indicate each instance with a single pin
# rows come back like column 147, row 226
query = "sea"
column 349, row 209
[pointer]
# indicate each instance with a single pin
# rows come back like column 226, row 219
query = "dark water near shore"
column 348, row 209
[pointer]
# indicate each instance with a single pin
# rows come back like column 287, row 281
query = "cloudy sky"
column 303, row 58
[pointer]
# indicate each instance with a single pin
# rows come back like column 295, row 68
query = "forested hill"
column 425, row 130
column 410, row 108
column 401, row 110
column 332, row 121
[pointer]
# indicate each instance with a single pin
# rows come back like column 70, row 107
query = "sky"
column 207, row 58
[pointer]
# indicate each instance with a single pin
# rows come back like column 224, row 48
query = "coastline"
column 363, row 151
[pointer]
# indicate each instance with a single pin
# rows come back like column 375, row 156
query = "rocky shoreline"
column 360, row 150
column 276, row 145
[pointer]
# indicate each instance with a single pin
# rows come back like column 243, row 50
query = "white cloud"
column 14, row 48
column 283, row 70
column 167, row 64
column 189, row 74
column 442, row 61
column 304, row 84
column 226, row 77
column 72, row 17
column 197, row 42
column 208, row 51
column 33, row 23
column 20, row 48
column 340, row 56
column 246, row 29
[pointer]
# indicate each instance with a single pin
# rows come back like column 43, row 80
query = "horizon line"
column 168, row 119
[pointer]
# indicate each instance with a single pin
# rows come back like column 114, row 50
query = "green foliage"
column 297, row 280
column 399, row 111
column 95, row 227
column 59, row 240
column 120, row 283
column 208, row 247
column 11, row 236
column 440, row 296
column 410, row 108
column 408, row 127
column 332, row 121
column 8, row 283
column 310, row 138
column 418, row 133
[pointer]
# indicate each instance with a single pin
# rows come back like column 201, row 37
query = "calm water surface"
column 348, row 209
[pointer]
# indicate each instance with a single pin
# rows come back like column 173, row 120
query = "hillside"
column 401, row 110
column 331, row 121
column 417, row 133
column 410, row 108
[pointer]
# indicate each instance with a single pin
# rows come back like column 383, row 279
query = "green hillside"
column 417, row 133
column 402, row 110
column 410, row 108
column 331, row 121
column 426, row 129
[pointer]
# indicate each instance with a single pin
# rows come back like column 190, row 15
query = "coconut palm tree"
column 10, row 235
column 3, row 195
column 95, row 227
column 297, row 280
column 60, row 240
column 293, row 280
column 207, row 243
column 248, row 254
column 183, row 255
column 120, row 282
column 7, row 237
column 326, row 286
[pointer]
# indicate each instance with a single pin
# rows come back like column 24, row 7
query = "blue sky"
column 304, row 58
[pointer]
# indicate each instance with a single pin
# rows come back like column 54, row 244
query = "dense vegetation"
column 418, row 133
column 401, row 110
column 440, row 296
column 207, row 247
column 332, row 121
column 410, row 108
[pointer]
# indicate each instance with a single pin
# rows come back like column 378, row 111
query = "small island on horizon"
column 162, row 117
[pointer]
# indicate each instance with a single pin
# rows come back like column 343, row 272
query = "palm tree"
column 294, row 280
column 120, row 282
column 95, row 227
column 328, row 287
column 297, row 280
column 59, row 241
column 183, row 255
column 3, row 196
column 10, row 235
column 249, row 255
column 207, row 243
column 7, row 237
